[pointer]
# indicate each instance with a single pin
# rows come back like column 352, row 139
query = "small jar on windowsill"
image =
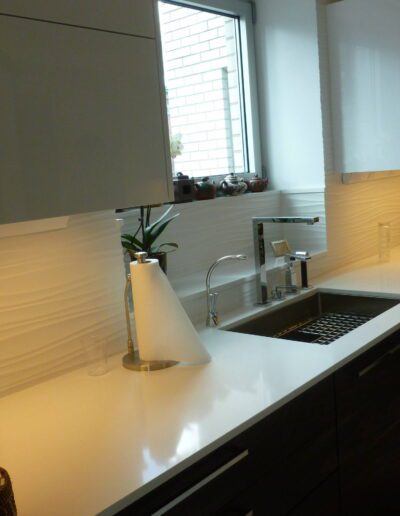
column 256, row 184
column 184, row 190
column 205, row 189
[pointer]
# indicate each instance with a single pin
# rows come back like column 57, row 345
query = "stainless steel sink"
column 319, row 319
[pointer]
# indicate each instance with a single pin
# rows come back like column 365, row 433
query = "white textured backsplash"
column 353, row 213
column 303, row 237
column 58, row 288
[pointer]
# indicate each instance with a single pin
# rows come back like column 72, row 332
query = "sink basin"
column 320, row 318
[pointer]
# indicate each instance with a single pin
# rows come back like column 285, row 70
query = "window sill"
column 223, row 198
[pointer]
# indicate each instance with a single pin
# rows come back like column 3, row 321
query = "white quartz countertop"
column 83, row 445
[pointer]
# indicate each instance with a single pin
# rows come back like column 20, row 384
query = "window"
column 210, row 86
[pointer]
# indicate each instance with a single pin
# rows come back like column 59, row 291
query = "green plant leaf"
column 130, row 247
column 126, row 238
column 170, row 244
column 153, row 232
column 160, row 219
column 150, row 233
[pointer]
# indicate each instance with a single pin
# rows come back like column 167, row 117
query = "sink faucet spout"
column 212, row 314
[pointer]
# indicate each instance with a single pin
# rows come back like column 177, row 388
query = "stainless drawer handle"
column 206, row 480
column 378, row 361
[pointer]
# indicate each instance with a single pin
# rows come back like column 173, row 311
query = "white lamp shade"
column 163, row 329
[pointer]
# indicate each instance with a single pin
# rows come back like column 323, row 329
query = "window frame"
column 244, row 11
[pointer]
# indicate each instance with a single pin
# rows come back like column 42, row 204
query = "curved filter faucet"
column 212, row 314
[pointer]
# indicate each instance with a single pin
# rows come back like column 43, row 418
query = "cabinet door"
column 81, row 125
column 370, row 485
column 368, row 408
column 129, row 17
column 309, row 453
column 364, row 62
column 323, row 501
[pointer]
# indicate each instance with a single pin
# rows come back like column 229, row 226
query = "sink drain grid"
column 326, row 328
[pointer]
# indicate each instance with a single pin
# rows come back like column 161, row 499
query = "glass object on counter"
column 384, row 241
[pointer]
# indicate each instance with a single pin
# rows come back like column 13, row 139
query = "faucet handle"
column 302, row 257
column 213, row 301
column 297, row 255
column 213, row 319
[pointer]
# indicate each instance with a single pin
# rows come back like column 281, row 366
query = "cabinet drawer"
column 203, row 488
column 323, row 501
column 261, row 499
column 129, row 17
column 308, row 416
column 263, row 442
column 369, row 486
column 309, row 452
column 308, row 467
column 368, row 398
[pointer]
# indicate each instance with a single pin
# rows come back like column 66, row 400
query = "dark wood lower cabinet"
column 309, row 453
column 323, row 501
column 262, row 498
column 371, row 486
column 368, row 415
column 305, row 469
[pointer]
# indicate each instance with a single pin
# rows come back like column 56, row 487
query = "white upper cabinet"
column 83, row 125
column 364, row 65
column 125, row 16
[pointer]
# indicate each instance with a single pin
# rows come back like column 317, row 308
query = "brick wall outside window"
column 200, row 66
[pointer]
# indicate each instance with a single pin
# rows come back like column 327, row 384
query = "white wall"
column 57, row 288
column 353, row 213
column 289, row 92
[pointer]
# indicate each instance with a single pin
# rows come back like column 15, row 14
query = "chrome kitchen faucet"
column 212, row 314
column 259, row 248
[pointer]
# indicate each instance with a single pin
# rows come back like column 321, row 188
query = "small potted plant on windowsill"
column 146, row 235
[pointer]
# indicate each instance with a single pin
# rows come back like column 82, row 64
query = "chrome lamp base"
column 134, row 363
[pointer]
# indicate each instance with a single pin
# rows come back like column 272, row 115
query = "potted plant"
column 146, row 235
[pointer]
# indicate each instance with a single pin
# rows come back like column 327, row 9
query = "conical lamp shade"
column 163, row 329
